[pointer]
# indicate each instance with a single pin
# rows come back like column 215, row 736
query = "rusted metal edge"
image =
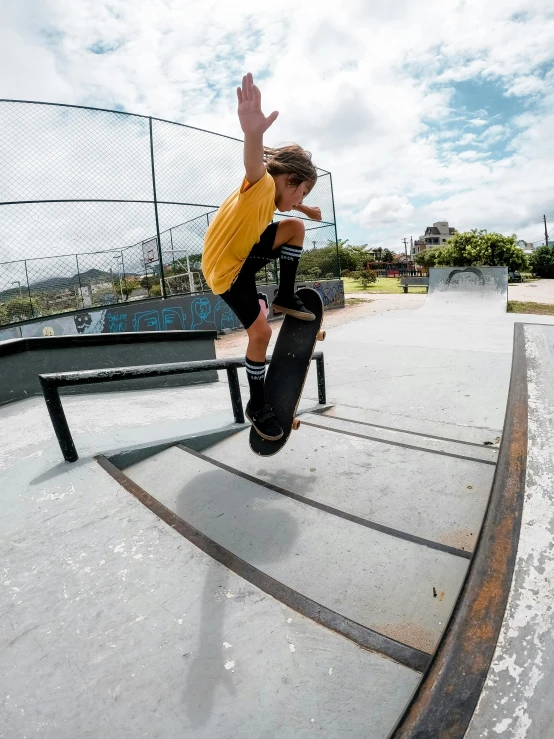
column 445, row 700
column 361, row 635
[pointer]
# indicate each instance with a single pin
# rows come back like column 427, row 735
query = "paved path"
column 234, row 344
column 540, row 291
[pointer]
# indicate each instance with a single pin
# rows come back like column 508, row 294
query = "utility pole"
column 545, row 231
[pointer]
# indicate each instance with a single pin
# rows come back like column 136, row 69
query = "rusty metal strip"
column 447, row 695
column 397, row 443
column 479, row 445
column 361, row 635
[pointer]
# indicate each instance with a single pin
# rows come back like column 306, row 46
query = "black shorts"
column 242, row 296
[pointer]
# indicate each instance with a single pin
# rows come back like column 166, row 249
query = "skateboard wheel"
column 296, row 424
column 321, row 335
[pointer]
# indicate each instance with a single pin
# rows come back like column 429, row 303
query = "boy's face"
column 287, row 195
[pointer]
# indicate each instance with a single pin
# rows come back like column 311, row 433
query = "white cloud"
column 385, row 209
column 492, row 134
column 369, row 91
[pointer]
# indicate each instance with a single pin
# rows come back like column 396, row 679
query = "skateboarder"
column 241, row 240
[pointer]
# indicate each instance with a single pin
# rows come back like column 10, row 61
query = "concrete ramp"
column 467, row 290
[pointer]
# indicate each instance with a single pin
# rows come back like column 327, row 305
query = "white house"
column 435, row 235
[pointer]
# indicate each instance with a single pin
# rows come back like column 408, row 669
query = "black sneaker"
column 293, row 306
column 264, row 422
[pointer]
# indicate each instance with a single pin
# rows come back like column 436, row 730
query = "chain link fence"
column 100, row 207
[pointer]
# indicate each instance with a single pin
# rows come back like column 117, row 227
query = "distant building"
column 527, row 246
column 435, row 235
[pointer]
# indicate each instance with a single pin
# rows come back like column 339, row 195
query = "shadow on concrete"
column 217, row 510
column 58, row 469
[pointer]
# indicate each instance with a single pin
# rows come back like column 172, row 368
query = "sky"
column 421, row 111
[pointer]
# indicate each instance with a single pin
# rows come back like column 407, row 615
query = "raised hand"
column 252, row 120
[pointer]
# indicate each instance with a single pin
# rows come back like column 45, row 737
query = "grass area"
column 541, row 309
column 390, row 285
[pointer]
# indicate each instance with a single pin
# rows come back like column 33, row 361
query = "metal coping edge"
column 444, row 702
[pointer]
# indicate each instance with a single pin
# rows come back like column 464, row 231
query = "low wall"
column 205, row 311
column 22, row 360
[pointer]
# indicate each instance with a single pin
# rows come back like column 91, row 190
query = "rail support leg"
column 59, row 421
column 321, row 380
column 234, row 389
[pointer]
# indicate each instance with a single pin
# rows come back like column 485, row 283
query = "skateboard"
column 288, row 369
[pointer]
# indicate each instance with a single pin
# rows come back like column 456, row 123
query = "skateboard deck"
column 288, row 369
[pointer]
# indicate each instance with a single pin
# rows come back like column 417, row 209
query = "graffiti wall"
column 468, row 289
column 331, row 291
column 187, row 312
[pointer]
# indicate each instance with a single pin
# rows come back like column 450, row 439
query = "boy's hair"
column 292, row 160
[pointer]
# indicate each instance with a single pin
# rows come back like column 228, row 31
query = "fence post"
column 79, row 278
column 158, row 239
column 335, row 224
column 29, row 289
column 124, row 277
column 172, row 251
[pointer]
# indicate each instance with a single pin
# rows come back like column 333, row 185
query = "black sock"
column 255, row 371
column 288, row 263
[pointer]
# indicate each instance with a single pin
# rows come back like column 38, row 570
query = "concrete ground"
column 539, row 291
column 361, row 305
column 115, row 625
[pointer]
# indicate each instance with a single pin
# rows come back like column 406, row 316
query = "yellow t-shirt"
column 236, row 227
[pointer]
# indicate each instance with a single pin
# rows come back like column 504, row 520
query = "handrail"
column 51, row 383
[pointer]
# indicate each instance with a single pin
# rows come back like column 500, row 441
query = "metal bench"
column 407, row 282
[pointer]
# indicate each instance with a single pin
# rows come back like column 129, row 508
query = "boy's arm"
column 254, row 124
column 313, row 213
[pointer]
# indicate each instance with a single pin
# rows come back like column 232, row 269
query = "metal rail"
column 51, row 383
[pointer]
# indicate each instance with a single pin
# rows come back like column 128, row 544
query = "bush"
column 365, row 277
column 542, row 261
column 476, row 249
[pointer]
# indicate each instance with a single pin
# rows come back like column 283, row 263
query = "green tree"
column 355, row 254
column 542, row 261
column 427, row 258
column 17, row 309
column 129, row 285
column 4, row 316
column 387, row 256
column 318, row 263
column 476, row 249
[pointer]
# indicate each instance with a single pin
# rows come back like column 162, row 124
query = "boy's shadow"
column 252, row 523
